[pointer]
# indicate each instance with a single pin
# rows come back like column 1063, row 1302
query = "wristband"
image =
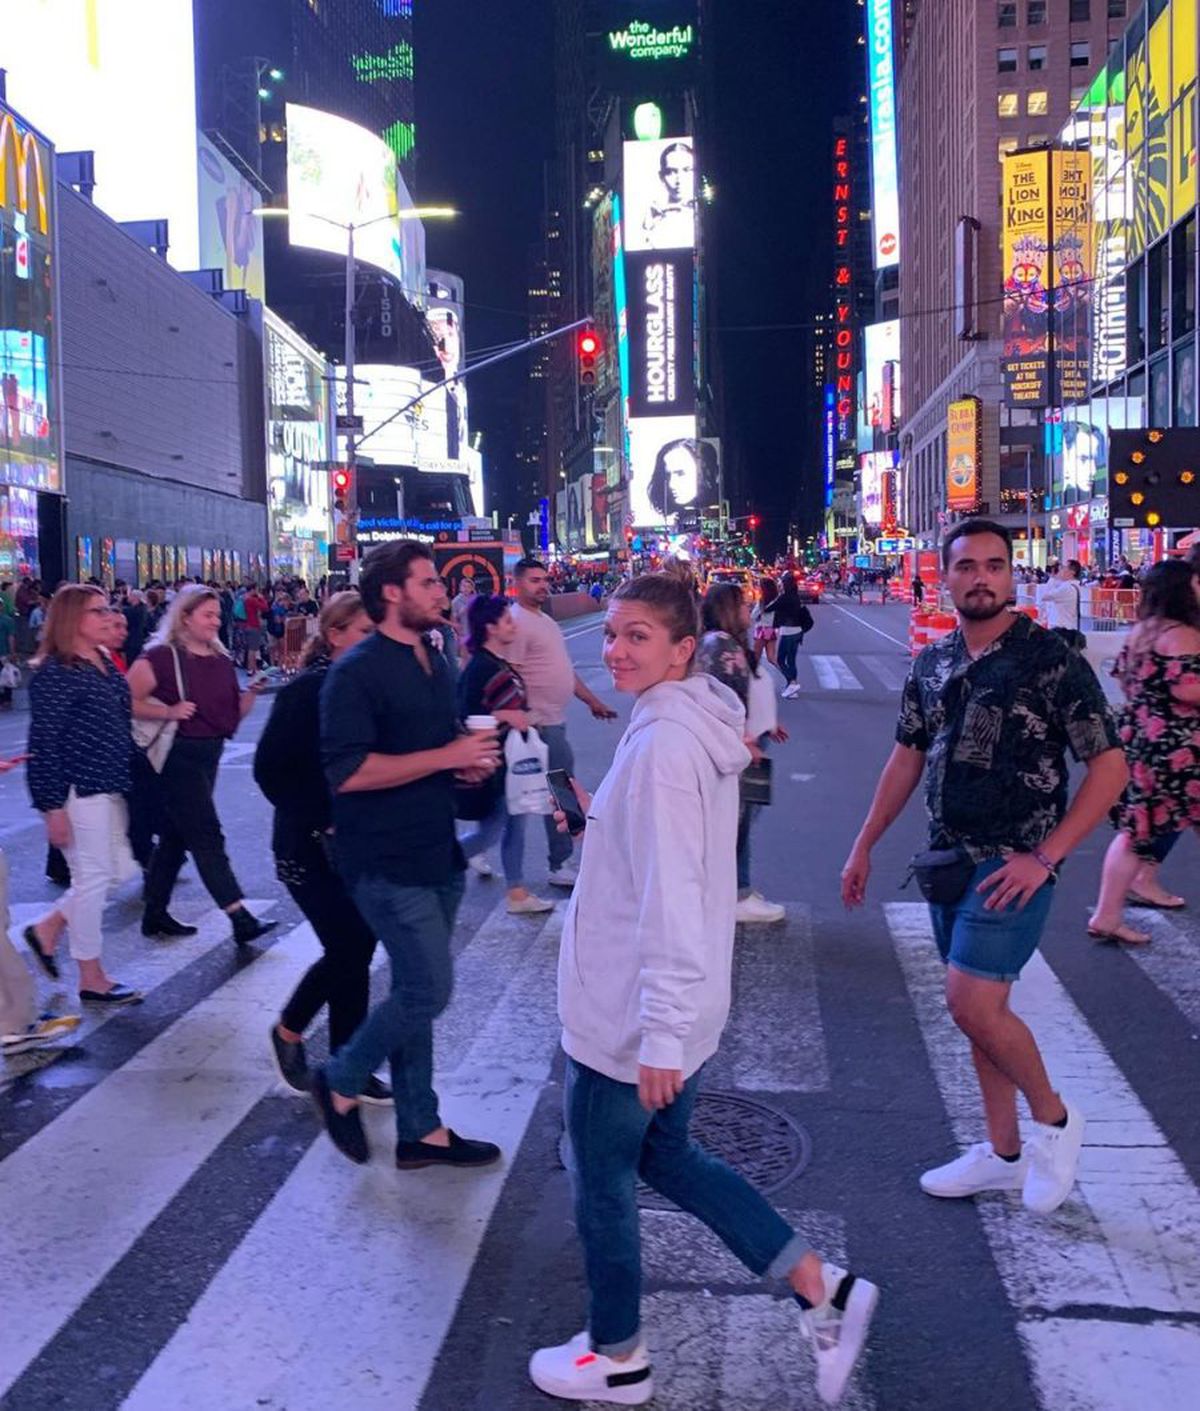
column 1039, row 856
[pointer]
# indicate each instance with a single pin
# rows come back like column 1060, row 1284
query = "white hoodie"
column 647, row 947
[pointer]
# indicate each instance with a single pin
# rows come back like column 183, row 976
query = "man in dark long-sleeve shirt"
column 391, row 749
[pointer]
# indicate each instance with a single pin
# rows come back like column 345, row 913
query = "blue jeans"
column 614, row 1140
column 995, row 945
column 415, row 925
column 561, row 757
column 789, row 645
column 746, row 816
column 510, row 828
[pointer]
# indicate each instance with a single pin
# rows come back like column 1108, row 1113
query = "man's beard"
column 413, row 620
column 982, row 609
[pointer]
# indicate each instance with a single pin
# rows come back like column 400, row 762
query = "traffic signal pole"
column 351, row 441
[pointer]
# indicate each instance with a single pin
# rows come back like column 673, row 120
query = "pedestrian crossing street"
column 182, row 1236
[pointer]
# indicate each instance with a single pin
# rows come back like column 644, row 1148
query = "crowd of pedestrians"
column 384, row 760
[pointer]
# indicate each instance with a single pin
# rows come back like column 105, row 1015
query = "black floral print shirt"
column 995, row 731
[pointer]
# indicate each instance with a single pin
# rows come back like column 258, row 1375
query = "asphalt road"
column 182, row 1236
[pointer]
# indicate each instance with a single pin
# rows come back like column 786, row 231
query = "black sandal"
column 45, row 958
column 119, row 994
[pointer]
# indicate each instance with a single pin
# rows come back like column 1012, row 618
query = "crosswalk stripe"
column 1108, row 1287
column 79, row 1193
column 407, row 1242
column 834, row 674
column 890, row 670
column 1171, row 961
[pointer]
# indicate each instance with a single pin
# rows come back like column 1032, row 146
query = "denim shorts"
column 995, row 945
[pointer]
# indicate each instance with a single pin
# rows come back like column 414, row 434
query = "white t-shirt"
column 539, row 653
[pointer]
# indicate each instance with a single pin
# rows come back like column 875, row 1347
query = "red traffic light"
column 588, row 343
column 341, row 480
column 589, row 349
column 754, row 521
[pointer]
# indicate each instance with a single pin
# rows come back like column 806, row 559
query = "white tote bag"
column 526, row 759
column 156, row 737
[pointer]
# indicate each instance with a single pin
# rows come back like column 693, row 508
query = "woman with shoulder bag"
column 724, row 653
column 644, row 980
column 490, row 686
column 79, row 756
column 185, row 665
column 287, row 768
column 792, row 621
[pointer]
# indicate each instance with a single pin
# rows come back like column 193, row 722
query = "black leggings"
column 342, row 976
column 189, row 824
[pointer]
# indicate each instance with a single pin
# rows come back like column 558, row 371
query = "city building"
column 978, row 80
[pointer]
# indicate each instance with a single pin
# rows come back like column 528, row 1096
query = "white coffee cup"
column 477, row 723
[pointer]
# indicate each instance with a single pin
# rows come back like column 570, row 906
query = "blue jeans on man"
column 614, row 1140
column 415, row 925
column 561, row 757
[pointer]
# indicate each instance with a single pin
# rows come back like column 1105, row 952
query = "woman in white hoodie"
column 643, row 995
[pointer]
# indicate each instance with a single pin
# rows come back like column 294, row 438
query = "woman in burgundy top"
column 213, row 706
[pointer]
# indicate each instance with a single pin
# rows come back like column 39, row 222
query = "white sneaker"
column 1053, row 1159
column 565, row 876
column 791, row 692
column 530, row 906
column 575, row 1373
column 481, row 866
column 757, row 911
column 838, row 1328
column 977, row 1169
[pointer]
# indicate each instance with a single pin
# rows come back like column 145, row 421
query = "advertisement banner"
column 876, row 471
column 340, row 173
column 444, row 317
column 660, row 290
column 1027, row 278
column 1072, row 259
column 669, row 472
column 881, row 347
column 231, row 235
column 885, row 185
column 964, row 446
column 660, row 195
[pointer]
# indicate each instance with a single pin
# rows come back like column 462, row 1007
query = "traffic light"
column 589, row 351
column 1154, row 478
column 754, row 522
column 342, row 482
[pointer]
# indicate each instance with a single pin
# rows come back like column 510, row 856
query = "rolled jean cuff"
column 788, row 1257
column 619, row 1349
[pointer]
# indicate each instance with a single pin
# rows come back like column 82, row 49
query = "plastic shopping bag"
column 526, row 759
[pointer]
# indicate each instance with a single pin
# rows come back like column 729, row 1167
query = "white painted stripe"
column 1171, row 960
column 890, row 670
column 834, row 674
column 870, row 626
column 389, row 1252
column 1126, row 1238
column 79, row 1193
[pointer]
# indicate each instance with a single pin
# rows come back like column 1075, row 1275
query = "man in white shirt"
column 539, row 654
column 1061, row 598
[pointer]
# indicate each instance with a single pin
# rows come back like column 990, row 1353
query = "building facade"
column 978, row 79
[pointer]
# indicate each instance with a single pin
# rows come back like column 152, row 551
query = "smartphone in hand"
column 565, row 801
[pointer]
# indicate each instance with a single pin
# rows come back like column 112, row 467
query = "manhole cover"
column 764, row 1144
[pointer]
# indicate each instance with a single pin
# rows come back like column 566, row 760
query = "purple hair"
column 484, row 612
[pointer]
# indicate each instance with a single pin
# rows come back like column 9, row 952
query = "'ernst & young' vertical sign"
column 843, row 288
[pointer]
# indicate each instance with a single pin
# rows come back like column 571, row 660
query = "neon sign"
column 642, row 41
column 843, row 284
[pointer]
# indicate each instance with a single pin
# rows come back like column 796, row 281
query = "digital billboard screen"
column 964, row 439
column 885, row 186
column 416, row 437
column 881, row 346
column 231, row 235
column 119, row 80
column 874, row 467
column 671, row 472
column 341, row 174
column 660, row 290
column 1027, row 278
column 660, row 195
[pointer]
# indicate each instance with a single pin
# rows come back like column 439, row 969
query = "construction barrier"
column 928, row 625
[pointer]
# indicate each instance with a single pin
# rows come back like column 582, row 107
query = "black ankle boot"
column 247, row 928
column 164, row 926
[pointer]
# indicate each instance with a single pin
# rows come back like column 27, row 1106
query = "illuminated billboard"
column 874, row 469
column 1027, row 278
column 881, row 392
column 119, row 80
column 660, row 290
column 660, row 195
column 843, row 286
column 1071, row 181
column 297, row 451
column 669, row 470
column 830, row 443
column 885, row 186
column 231, row 235
column 416, row 437
column 338, row 174
column 964, row 445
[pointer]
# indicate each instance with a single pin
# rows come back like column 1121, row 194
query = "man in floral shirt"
column 988, row 715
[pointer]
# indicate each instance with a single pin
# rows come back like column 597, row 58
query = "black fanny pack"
column 942, row 874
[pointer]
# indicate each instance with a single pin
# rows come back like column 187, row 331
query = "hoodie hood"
column 707, row 709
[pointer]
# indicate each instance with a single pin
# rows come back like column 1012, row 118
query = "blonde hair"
column 182, row 605
column 337, row 614
column 64, row 617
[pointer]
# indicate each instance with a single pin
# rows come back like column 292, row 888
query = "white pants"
column 98, row 856
column 16, row 983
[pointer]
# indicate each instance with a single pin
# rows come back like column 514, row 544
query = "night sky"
column 485, row 119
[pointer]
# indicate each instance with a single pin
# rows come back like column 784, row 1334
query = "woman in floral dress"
column 1159, row 671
